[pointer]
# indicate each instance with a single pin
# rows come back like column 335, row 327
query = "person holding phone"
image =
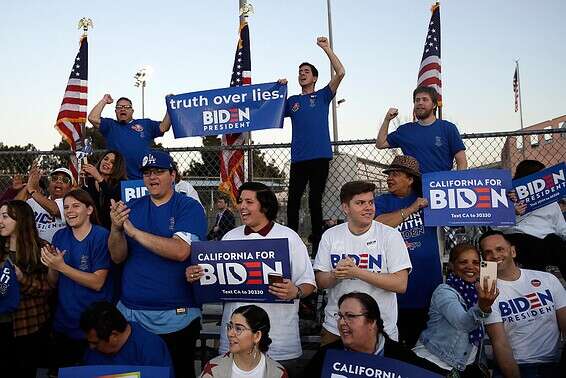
column 529, row 317
column 453, row 337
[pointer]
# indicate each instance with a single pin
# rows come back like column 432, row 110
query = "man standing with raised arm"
column 435, row 143
column 132, row 137
column 310, row 145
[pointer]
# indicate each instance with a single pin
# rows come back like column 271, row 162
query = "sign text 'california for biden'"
column 229, row 110
column 471, row 197
column 238, row 270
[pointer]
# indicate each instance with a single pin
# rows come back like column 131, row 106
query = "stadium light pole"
column 141, row 77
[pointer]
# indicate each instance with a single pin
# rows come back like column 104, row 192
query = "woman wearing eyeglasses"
column 361, row 330
column 248, row 336
column 103, row 183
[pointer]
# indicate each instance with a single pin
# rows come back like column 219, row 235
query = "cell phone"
column 488, row 269
column 274, row 278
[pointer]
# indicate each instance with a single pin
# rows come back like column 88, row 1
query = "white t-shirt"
column 186, row 188
column 380, row 249
column 527, row 308
column 540, row 222
column 46, row 224
column 284, row 317
column 257, row 372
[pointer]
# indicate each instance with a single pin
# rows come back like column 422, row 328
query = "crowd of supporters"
column 88, row 278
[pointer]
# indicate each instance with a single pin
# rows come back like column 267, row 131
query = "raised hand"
column 391, row 113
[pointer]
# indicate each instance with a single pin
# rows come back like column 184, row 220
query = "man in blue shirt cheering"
column 435, row 143
column 132, row 137
column 310, row 143
column 152, row 235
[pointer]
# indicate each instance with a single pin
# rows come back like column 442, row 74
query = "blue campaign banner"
column 237, row 270
column 344, row 364
column 115, row 371
column 470, row 197
column 228, row 110
column 541, row 188
column 131, row 189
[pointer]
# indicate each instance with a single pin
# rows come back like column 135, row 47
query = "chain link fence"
column 353, row 160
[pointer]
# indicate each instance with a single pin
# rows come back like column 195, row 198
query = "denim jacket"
column 446, row 335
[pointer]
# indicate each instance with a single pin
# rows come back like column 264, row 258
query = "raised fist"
column 322, row 42
column 107, row 99
column 391, row 113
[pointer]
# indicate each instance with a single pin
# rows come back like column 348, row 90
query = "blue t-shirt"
column 434, row 146
column 142, row 348
column 309, row 117
column 422, row 244
column 133, row 140
column 88, row 255
column 152, row 282
column 9, row 288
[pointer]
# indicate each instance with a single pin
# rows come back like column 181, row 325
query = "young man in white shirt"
column 527, row 317
column 361, row 255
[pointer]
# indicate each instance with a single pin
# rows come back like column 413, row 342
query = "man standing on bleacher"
column 152, row 235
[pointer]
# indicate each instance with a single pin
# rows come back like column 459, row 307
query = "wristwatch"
column 31, row 193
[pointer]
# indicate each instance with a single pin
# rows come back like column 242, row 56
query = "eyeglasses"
column 237, row 328
column 60, row 178
column 123, row 107
column 347, row 316
column 155, row 171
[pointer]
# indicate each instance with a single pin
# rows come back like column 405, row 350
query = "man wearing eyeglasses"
column 48, row 210
column 132, row 137
column 152, row 236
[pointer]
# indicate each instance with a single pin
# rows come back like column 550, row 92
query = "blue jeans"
column 534, row 370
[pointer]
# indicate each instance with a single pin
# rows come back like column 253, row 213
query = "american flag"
column 516, row 88
column 232, row 161
column 430, row 70
column 72, row 114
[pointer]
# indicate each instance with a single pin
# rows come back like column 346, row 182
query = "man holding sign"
column 132, row 137
column 152, row 235
column 310, row 144
column 258, row 209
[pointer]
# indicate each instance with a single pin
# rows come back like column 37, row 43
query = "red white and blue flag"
column 516, row 88
column 430, row 69
column 72, row 113
column 232, row 161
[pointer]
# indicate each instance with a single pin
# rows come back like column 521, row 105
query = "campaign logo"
column 362, row 260
column 548, row 182
column 251, row 272
column 296, row 106
column 528, row 306
column 470, row 197
column 42, row 219
column 226, row 119
column 131, row 189
column 412, row 227
column 137, row 127
column 535, row 283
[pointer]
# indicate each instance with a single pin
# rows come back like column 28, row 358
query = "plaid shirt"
column 33, row 310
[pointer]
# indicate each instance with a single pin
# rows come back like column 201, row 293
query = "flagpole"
column 331, row 42
column 520, row 97
column 244, row 10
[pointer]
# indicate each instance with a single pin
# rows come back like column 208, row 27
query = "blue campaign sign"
column 228, row 110
column 131, row 189
column 115, row 371
column 542, row 188
column 238, row 270
column 471, row 197
column 344, row 364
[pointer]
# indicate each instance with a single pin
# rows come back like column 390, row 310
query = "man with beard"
column 132, row 137
column 435, row 143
